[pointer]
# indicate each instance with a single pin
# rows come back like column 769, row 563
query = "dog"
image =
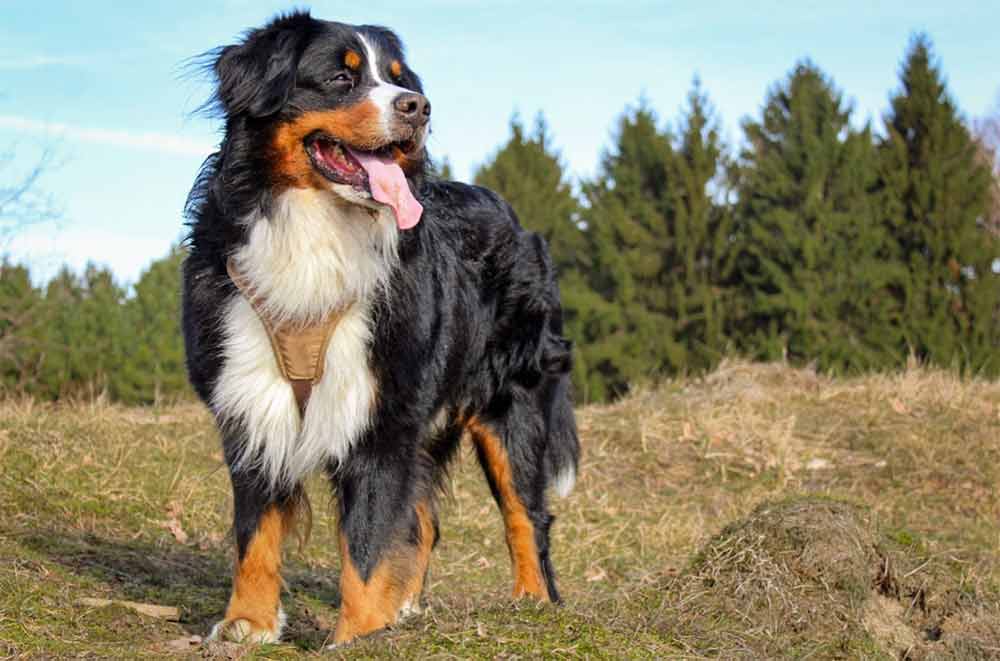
column 346, row 311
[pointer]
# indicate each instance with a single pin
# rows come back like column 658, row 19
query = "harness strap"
column 299, row 349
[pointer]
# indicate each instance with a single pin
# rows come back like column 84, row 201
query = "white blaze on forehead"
column 372, row 58
column 384, row 93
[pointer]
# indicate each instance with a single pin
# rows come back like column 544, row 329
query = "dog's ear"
column 257, row 76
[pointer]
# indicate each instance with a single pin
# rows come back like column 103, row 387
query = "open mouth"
column 342, row 165
column 377, row 172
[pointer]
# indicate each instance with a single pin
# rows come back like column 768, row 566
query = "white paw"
column 409, row 609
column 241, row 631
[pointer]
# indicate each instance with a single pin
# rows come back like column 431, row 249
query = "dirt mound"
column 815, row 577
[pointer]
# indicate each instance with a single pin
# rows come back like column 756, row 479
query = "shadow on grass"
column 195, row 581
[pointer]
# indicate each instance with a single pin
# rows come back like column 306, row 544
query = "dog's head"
column 340, row 108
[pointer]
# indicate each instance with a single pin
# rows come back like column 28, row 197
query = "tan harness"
column 300, row 349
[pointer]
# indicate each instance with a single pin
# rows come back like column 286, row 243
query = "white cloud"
column 26, row 62
column 47, row 248
column 149, row 140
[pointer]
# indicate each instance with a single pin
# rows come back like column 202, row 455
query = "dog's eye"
column 339, row 79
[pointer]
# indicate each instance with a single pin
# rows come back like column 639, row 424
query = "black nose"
column 413, row 108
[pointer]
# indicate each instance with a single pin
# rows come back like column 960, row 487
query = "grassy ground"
column 759, row 512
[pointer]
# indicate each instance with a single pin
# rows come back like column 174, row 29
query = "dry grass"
column 761, row 511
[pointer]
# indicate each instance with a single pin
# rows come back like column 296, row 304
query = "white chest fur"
column 314, row 255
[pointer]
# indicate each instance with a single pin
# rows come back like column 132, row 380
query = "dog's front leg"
column 262, row 520
column 388, row 527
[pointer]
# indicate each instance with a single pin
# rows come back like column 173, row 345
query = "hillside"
column 761, row 511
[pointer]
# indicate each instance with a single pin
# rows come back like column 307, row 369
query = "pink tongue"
column 388, row 184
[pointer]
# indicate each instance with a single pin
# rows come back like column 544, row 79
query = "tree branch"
column 22, row 203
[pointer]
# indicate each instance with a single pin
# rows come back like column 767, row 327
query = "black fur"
column 471, row 322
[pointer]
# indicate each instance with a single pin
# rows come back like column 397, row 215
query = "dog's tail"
column 562, row 452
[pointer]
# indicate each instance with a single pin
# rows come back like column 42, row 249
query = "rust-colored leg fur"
column 393, row 588
column 520, row 531
column 253, row 614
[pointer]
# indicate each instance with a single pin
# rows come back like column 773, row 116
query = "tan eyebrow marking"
column 396, row 68
column 352, row 59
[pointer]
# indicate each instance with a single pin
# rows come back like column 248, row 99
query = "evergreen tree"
column 86, row 337
column 629, row 204
column 936, row 195
column 442, row 170
column 445, row 170
column 153, row 365
column 661, row 240
column 20, row 312
column 528, row 172
column 812, row 253
column 698, row 254
column 56, row 365
column 103, row 332
column 83, row 334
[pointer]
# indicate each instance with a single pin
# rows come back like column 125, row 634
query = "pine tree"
column 101, row 351
column 20, row 320
column 82, row 337
column 528, row 172
column 661, row 232
column 936, row 195
column 153, row 356
column 629, row 204
column 698, row 254
column 812, row 253
column 86, row 337
column 56, row 366
column 442, row 169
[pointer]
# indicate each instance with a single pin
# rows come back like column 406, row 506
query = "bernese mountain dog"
column 346, row 311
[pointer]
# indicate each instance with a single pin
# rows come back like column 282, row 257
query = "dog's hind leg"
column 511, row 450
column 261, row 523
column 388, row 528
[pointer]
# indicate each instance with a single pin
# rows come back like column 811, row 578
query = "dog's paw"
column 410, row 608
column 241, row 631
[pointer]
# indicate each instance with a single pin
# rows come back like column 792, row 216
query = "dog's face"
column 341, row 109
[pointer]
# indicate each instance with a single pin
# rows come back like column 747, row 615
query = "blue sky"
column 100, row 83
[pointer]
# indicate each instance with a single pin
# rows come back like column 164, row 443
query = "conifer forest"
column 816, row 240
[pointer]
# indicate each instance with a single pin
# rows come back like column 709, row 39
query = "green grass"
column 689, row 494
